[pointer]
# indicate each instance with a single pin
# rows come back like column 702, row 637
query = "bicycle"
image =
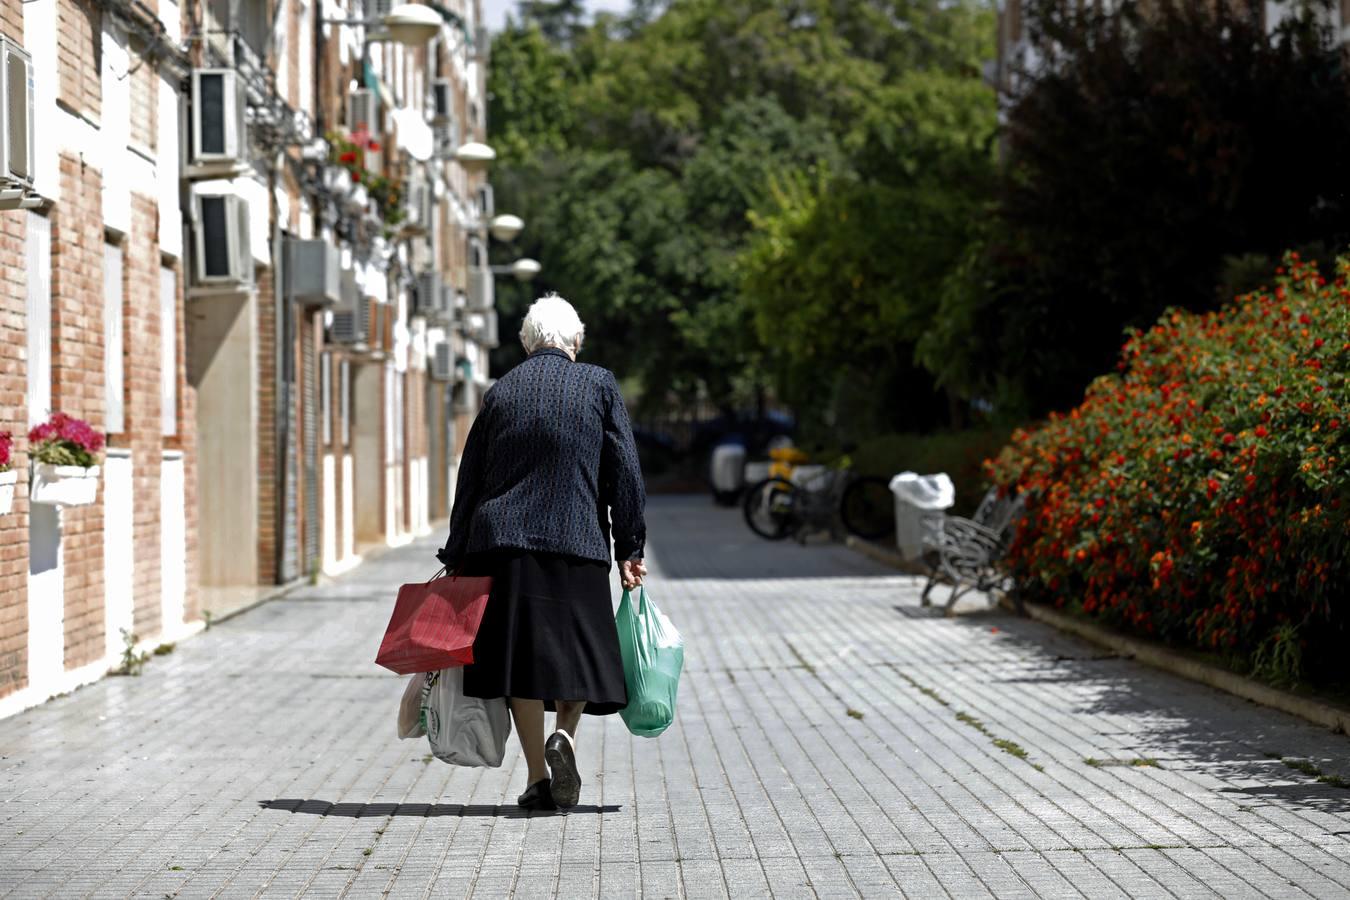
column 798, row 501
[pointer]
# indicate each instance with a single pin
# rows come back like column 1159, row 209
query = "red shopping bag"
column 434, row 624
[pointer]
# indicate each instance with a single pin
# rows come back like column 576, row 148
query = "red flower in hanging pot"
column 348, row 157
column 374, row 145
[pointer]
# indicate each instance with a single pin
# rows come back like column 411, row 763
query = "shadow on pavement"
column 416, row 810
column 1184, row 724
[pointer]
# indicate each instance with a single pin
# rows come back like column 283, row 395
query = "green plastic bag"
column 653, row 655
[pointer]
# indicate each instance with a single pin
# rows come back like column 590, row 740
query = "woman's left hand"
column 631, row 573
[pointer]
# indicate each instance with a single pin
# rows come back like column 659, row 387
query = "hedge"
column 1201, row 494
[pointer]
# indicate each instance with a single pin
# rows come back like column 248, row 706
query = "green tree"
column 1148, row 150
column 637, row 148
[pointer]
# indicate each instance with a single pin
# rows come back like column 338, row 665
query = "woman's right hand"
column 631, row 573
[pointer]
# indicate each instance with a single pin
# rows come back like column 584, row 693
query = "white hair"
column 552, row 322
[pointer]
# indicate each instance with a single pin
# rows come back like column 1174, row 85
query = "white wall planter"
column 7, row 482
column 63, row 485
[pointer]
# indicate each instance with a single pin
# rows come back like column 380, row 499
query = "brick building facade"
column 253, row 436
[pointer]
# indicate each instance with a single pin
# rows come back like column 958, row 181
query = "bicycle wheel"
column 770, row 508
column 867, row 508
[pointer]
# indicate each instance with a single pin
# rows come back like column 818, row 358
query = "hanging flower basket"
column 64, row 452
column 8, row 476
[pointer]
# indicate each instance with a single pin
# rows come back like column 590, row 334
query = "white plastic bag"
column 410, row 708
column 463, row 731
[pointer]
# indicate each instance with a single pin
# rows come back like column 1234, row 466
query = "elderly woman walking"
column 549, row 458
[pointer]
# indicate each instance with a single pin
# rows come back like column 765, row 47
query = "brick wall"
column 143, row 424
column 79, row 55
column 144, row 90
column 77, row 389
column 11, row 19
column 14, row 419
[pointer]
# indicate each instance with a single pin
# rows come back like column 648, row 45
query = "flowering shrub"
column 1201, row 495
column 6, row 451
column 65, row 441
column 350, row 154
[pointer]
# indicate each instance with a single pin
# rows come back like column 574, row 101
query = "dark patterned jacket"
column 549, row 456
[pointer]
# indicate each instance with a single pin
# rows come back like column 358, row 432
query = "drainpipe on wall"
column 281, row 393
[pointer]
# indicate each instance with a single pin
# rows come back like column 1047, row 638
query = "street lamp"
column 506, row 228
column 412, row 24
column 475, row 157
column 525, row 269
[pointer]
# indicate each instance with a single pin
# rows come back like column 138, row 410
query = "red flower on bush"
column 1254, row 572
column 6, row 451
column 65, row 441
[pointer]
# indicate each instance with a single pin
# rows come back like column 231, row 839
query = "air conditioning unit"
column 219, row 138
column 222, row 250
column 352, row 326
column 313, row 272
column 465, row 396
column 442, row 101
column 445, row 309
column 481, row 297
column 428, row 293
column 443, row 362
column 363, row 112
column 349, row 293
column 16, row 115
column 418, row 204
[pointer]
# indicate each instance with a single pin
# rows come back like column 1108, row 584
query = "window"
column 39, row 308
column 168, row 371
column 326, row 397
column 114, row 385
column 345, row 401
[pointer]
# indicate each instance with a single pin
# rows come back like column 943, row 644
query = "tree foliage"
column 683, row 170
column 1152, row 145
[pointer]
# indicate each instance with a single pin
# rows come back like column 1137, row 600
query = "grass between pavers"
column 802, row 663
column 1307, row 767
column 1139, row 762
column 1012, row 748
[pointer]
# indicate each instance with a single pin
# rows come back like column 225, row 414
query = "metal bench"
column 965, row 553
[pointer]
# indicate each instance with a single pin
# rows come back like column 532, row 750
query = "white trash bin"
column 728, row 471
column 919, row 503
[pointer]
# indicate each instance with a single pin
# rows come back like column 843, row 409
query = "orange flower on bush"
column 1218, row 447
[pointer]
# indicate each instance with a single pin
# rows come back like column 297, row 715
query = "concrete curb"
column 1337, row 718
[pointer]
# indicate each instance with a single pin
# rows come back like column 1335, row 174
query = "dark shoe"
column 536, row 796
column 561, row 755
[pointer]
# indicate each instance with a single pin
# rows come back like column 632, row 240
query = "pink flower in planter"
column 65, row 441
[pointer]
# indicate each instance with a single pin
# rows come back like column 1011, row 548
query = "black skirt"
column 547, row 633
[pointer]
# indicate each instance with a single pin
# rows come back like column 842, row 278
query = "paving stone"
column 834, row 739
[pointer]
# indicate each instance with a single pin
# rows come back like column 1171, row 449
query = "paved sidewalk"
column 834, row 740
